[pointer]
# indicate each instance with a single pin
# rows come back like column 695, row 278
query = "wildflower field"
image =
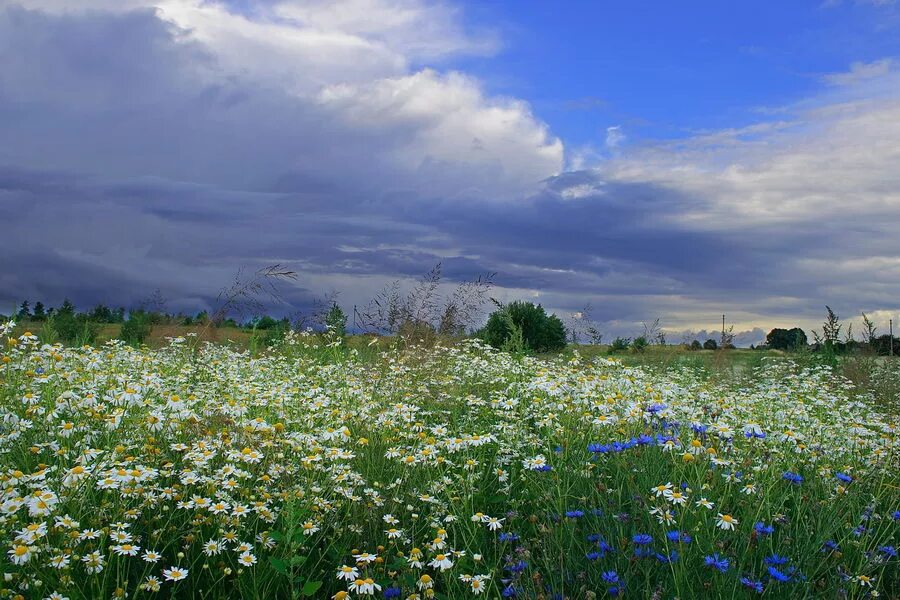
column 197, row 471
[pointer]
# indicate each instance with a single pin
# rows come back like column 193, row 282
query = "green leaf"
column 298, row 560
column 311, row 587
column 279, row 565
column 276, row 535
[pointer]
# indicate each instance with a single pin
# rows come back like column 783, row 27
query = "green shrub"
column 710, row 344
column 525, row 323
column 620, row 344
column 336, row 320
column 639, row 345
column 136, row 329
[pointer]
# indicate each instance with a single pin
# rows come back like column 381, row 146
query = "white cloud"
column 860, row 71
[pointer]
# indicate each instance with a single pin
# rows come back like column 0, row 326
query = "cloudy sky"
column 652, row 159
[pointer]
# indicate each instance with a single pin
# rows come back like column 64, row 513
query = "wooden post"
column 891, row 341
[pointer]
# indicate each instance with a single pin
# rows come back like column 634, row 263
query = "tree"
column 24, row 311
column 786, row 339
column 540, row 332
column 695, row 345
column 336, row 320
column 710, row 344
column 40, row 312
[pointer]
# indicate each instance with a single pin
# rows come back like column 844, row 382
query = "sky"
column 651, row 159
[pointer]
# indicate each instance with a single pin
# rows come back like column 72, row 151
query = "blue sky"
column 666, row 69
column 652, row 160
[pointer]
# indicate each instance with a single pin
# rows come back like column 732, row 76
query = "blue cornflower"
column 671, row 557
column 509, row 592
column 610, row 577
column 616, row 590
column 774, row 559
column 843, row 477
column 593, row 537
column 543, row 468
column 508, row 537
column 642, row 552
column 392, row 592
column 604, row 547
column 679, row 536
column 655, row 408
column 575, row 514
column 830, row 546
column 794, row 478
column 756, row 586
column 599, row 448
column 888, row 551
column 717, row 562
column 517, row 567
column 859, row 530
column 896, row 515
column 643, row 440
column 558, row 449
column 762, row 529
column 778, row 575
column 593, row 555
column 642, row 539
column 699, row 428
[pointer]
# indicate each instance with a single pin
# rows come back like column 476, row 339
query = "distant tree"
column 540, row 332
column 24, row 311
column 40, row 312
column 136, row 329
column 66, row 308
column 639, row 345
column 695, row 345
column 619, row 344
column 336, row 320
column 101, row 314
column 710, row 344
column 786, row 339
column 882, row 345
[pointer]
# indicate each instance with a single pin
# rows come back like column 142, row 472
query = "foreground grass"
column 200, row 471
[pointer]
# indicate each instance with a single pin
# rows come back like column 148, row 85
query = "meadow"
column 318, row 470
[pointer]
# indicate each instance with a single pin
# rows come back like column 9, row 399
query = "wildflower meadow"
column 312, row 471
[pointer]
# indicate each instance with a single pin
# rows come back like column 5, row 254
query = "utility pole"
column 891, row 341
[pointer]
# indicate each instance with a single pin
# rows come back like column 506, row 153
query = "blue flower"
column 679, row 536
column 644, row 440
column 508, row 537
column 575, row 514
column 616, row 590
column 509, row 592
column 778, row 575
column 762, row 529
column 671, row 557
column 392, row 592
column 642, row 539
column 642, row 552
column 774, row 559
column 830, row 546
column 843, row 477
column 896, row 515
column 888, row 551
column 610, row 577
column 599, row 448
column 794, row 478
column 717, row 562
column 593, row 555
column 756, row 586
column 517, row 567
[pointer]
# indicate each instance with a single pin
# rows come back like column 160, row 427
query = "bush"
column 710, row 344
column 336, row 320
column 71, row 328
column 539, row 331
column 786, row 339
column 620, row 344
column 695, row 345
column 639, row 345
column 136, row 329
